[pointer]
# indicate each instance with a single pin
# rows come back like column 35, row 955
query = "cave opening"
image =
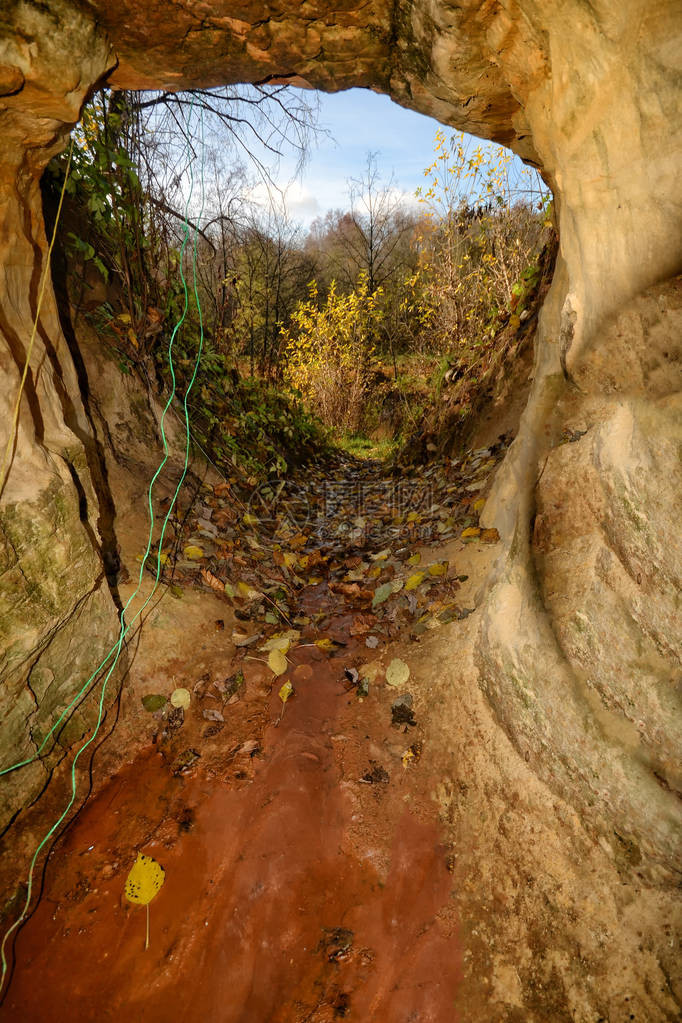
column 399, row 727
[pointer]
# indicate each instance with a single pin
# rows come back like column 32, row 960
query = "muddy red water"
column 295, row 889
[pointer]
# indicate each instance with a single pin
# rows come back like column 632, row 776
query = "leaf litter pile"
column 341, row 540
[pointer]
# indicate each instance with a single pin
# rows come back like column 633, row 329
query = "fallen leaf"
column 471, row 532
column 286, row 691
column 143, row 882
column 181, row 698
column 248, row 592
column 249, row 747
column 372, row 642
column 277, row 643
column 397, row 673
column 381, row 594
column 193, row 553
column 490, row 536
column 326, row 644
column 439, row 569
column 153, row 702
column 277, row 662
column 361, row 625
column 414, row 581
column 241, row 640
column 371, row 670
column 213, row 581
column 210, row 714
column 381, row 556
column 415, row 559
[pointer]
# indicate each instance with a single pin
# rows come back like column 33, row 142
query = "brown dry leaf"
column 490, row 536
column 346, row 589
column 239, row 639
column 212, row 715
column 371, row 670
column 213, row 581
column 248, row 747
column 361, row 625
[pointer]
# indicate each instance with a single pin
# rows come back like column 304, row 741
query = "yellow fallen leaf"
column 277, row 643
column 325, row 644
column 381, row 556
column 407, row 757
column 249, row 520
column 397, row 672
column 289, row 558
column 181, row 698
column 414, row 581
column 193, row 553
column 143, row 882
column 415, row 559
column 414, row 517
column 277, row 662
column 471, row 531
column 479, row 505
column 286, row 691
column 439, row 569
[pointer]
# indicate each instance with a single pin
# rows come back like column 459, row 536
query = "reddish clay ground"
column 294, row 891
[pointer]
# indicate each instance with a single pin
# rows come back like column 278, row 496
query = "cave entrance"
column 393, row 290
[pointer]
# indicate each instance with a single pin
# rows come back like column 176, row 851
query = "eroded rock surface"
column 575, row 653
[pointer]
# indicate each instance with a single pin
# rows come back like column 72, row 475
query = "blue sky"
column 360, row 121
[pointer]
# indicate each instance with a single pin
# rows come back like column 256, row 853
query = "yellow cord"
column 46, row 273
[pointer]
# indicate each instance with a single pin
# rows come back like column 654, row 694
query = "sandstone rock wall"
column 575, row 654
